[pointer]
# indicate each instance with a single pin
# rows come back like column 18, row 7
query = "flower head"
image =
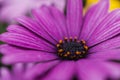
column 10, row 9
column 66, row 46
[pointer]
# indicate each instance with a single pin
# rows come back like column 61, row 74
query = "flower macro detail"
column 64, row 46
column 72, row 49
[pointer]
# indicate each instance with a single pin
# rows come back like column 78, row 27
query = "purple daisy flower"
column 66, row 46
column 16, row 73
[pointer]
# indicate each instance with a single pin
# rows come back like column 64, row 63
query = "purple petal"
column 29, row 66
column 60, row 20
column 18, row 71
column 90, row 70
column 7, row 49
column 93, row 17
column 109, row 44
column 40, row 69
column 21, row 30
column 28, row 56
column 18, row 29
column 108, row 28
column 74, row 17
column 106, row 55
column 25, row 41
column 60, row 4
column 5, row 74
column 34, row 27
column 47, row 22
column 63, row 71
column 113, row 69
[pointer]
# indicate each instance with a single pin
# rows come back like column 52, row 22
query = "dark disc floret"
column 72, row 49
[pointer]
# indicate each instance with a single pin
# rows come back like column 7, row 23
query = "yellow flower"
column 114, row 4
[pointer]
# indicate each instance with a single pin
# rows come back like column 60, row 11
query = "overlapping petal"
column 60, row 20
column 28, row 56
column 25, row 41
column 8, row 49
column 90, row 70
column 97, row 69
column 113, row 69
column 35, row 27
column 47, row 22
column 106, row 55
column 93, row 17
column 111, row 44
column 74, row 17
column 40, row 69
column 107, row 28
column 5, row 74
column 63, row 71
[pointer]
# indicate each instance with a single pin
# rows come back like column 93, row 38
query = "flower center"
column 71, row 49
